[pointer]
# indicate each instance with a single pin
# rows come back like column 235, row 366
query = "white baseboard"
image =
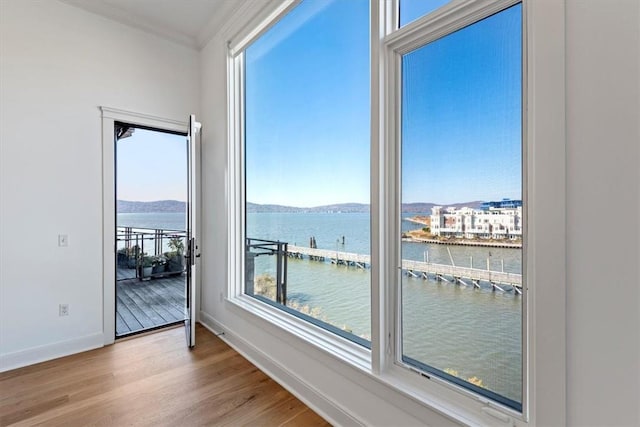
column 47, row 352
column 320, row 403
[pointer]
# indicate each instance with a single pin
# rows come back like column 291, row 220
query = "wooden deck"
column 151, row 380
column 148, row 304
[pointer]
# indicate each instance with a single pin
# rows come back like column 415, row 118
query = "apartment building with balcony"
column 468, row 223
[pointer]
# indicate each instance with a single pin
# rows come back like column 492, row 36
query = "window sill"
column 434, row 394
column 335, row 345
column 447, row 399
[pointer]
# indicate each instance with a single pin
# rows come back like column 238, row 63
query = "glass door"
column 151, row 195
column 192, row 250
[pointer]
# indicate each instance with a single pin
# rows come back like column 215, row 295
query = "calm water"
column 164, row 221
column 444, row 325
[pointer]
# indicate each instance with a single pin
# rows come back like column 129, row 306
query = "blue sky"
column 307, row 109
column 151, row 166
column 461, row 114
column 410, row 10
column 307, row 114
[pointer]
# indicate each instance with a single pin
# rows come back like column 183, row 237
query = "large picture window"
column 382, row 192
column 307, row 166
column 461, row 211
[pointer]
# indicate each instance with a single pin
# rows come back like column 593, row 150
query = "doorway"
column 118, row 124
column 151, row 232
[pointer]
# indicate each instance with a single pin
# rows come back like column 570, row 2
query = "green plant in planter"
column 146, row 265
column 132, row 255
column 175, row 261
column 176, row 244
column 147, row 261
column 123, row 257
column 158, row 262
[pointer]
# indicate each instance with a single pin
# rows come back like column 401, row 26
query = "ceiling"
column 188, row 22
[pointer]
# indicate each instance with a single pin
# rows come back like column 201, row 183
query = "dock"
column 450, row 273
column 334, row 257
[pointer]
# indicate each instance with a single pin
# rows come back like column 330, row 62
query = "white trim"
column 235, row 177
column 339, row 347
column 109, row 117
column 546, row 193
column 444, row 20
column 322, row 404
column 142, row 119
column 47, row 352
column 226, row 14
column 197, row 221
column 377, row 308
column 265, row 19
column 108, row 231
column 526, row 230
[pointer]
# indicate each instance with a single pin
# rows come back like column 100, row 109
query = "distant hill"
column 158, row 206
column 424, row 208
column 340, row 207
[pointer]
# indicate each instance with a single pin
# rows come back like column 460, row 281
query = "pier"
column 462, row 275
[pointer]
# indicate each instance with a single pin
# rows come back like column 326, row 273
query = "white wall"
column 603, row 186
column 603, row 300
column 59, row 64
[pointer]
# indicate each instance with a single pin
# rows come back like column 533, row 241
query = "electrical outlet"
column 63, row 310
column 221, row 296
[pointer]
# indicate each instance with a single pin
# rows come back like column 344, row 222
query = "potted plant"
column 123, row 257
column 146, row 266
column 132, row 256
column 158, row 262
column 175, row 259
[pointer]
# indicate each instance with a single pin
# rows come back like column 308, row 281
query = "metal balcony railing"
column 259, row 247
column 149, row 253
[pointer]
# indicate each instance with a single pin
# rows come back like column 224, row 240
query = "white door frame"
column 109, row 117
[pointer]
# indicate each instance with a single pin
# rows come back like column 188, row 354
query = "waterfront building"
column 504, row 203
column 485, row 223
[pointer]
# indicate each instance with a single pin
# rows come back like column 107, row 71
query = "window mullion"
column 390, row 257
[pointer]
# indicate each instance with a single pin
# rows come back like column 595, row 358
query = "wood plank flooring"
column 150, row 380
column 149, row 303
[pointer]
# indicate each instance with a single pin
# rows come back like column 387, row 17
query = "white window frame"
column 346, row 350
column 544, row 349
column 434, row 26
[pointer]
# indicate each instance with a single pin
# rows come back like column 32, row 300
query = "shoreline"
column 415, row 220
column 462, row 242
column 409, row 237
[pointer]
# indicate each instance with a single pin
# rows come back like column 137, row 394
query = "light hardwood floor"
column 150, row 380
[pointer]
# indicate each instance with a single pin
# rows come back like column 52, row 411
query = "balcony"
column 150, row 279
